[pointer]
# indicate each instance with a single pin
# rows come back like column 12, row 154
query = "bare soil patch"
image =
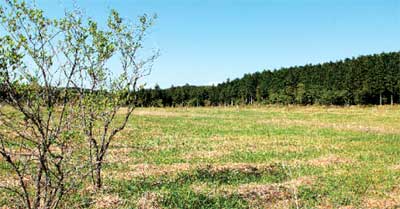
column 392, row 200
column 396, row 167
column 329, row 160
column 282, row 195
column 276, row 195
column 240, row 167
column 351, row 126
column 149, row 200
column 143, row 170
column 108, row 201
column 205, row 154
column 164, row 113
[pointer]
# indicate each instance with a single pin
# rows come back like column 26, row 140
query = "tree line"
column 371, row 79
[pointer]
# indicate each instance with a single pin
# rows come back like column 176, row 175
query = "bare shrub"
column 61, row 95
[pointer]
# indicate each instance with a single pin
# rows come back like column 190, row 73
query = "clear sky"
column 207, row 41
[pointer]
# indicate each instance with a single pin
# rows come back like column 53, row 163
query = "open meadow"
column 241, row 157
column 282, row 157
column 199, row 104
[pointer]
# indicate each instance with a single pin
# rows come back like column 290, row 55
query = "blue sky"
column 207, row 41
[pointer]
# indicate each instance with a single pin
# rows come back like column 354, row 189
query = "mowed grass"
column 254, row 157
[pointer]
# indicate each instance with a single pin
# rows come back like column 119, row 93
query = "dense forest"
column 372, row 79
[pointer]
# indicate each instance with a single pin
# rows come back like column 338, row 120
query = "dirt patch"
column 149, row 200
column 204, row 154
column 257, row 195
column 304, row 180
column 143, row 170
column 163, row 113
column 148, row 169
column 12, row 181
column 396, row 167
column 281, row 195
column 266, row 193
column 200, row 188
column 156, row 113
column 276, row 195
column 347, row 207
column 329, row 160
column 108, row 201
column 382, row 203
column 326, row 204
column 9, row 181
column 282, row 204
column 119, row 155
column 350, row 126
column 392, row 200
column 240, row 167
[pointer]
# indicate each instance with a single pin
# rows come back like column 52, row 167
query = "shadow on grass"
column 176, row 192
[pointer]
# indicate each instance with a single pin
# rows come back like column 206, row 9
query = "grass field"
column 254, row 157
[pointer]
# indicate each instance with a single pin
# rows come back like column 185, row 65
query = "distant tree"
column 300, row 93
column 378, row 78
column 156, row 97
column 390, row 79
